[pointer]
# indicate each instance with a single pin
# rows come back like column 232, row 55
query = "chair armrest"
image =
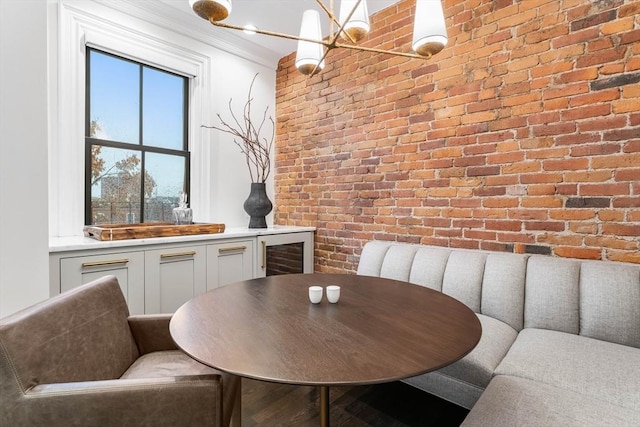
column 151, row 332
column 192, row 400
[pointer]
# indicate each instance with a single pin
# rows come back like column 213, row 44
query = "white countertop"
column 74, row 243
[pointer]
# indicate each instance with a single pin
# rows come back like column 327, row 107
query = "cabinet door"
column 229, row 262
column 174, row 275
column 128, row 267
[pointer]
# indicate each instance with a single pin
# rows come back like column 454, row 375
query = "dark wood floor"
column 389, row 405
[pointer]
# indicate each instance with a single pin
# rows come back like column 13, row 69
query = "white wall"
column 231, row 184
column 42, row 109
column 24, row 271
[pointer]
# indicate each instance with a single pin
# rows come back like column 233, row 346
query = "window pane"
column 163, row 109
column 114, row 98
column 164, row 180
column 115, row 185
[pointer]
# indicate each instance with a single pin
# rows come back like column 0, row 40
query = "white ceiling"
column 282, row 16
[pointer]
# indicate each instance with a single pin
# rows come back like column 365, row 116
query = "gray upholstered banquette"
column 572, row 326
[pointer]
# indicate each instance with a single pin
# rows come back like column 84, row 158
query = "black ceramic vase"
column 258, row 205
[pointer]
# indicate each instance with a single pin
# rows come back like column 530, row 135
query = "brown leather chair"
column 79, row 359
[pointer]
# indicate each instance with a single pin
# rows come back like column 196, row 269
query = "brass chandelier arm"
column 290, row 36
column 333, row 19
column 327, row 44
column 270, row 33
column 388, row 52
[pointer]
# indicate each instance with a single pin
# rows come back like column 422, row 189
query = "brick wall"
column 522, row 135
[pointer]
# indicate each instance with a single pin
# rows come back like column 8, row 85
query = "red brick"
column 585, row 112
column 575, row 252
column 627, row 202
column 609, row 242
column 557, row 226
column 604, row 189
column 580, row 138
column 602, row 57
column 583, row 228
column 565, row 164
column 541, row 202
column 503, row 225
column 580, row 75
column 632, row 146
column 604, row 123
column 567, row 90
column 483, row 170
column 621, row 230
column 623, row 256
column 554, row 129
column 595, row 97
column 627, row 174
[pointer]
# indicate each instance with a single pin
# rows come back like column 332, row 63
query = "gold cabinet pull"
column 177, row 255
column 264, row 254
column 232, row 249
column 101, row 263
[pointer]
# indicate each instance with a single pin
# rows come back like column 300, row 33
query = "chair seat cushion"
column 595, row 368
column 511, row 401
column 175, row 363
column 161, row 364
column 478, row 366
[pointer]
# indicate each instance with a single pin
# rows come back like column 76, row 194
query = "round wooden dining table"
column 380, row 330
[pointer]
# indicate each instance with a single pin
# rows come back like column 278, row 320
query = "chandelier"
column 429, row 30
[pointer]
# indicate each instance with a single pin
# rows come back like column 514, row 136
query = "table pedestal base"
column 324, row 406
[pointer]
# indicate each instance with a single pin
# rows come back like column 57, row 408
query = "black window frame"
column 140, row 146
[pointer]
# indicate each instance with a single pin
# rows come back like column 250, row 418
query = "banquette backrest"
column 598, row 299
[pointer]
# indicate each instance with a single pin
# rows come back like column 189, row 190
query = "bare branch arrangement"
column 257, row 150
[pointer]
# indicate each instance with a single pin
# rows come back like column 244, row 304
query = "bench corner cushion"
column 510, row 401
column 609, row 301
column 552, row 294
column 478, row 366
column 591, row 367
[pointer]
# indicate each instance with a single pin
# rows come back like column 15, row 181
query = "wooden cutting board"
column 146, row 230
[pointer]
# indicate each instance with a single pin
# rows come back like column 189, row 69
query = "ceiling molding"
column 172, row 19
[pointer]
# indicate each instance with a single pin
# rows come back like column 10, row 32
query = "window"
column 137, row 158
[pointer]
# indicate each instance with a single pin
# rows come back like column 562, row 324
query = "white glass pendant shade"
column 211, row 10
column 429, row 30
column 358, row 25
column 309, row 54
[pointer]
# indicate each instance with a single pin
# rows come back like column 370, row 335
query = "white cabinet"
column 159, row 275
column 128, row 267
column 229, row 262
column 173, row 275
